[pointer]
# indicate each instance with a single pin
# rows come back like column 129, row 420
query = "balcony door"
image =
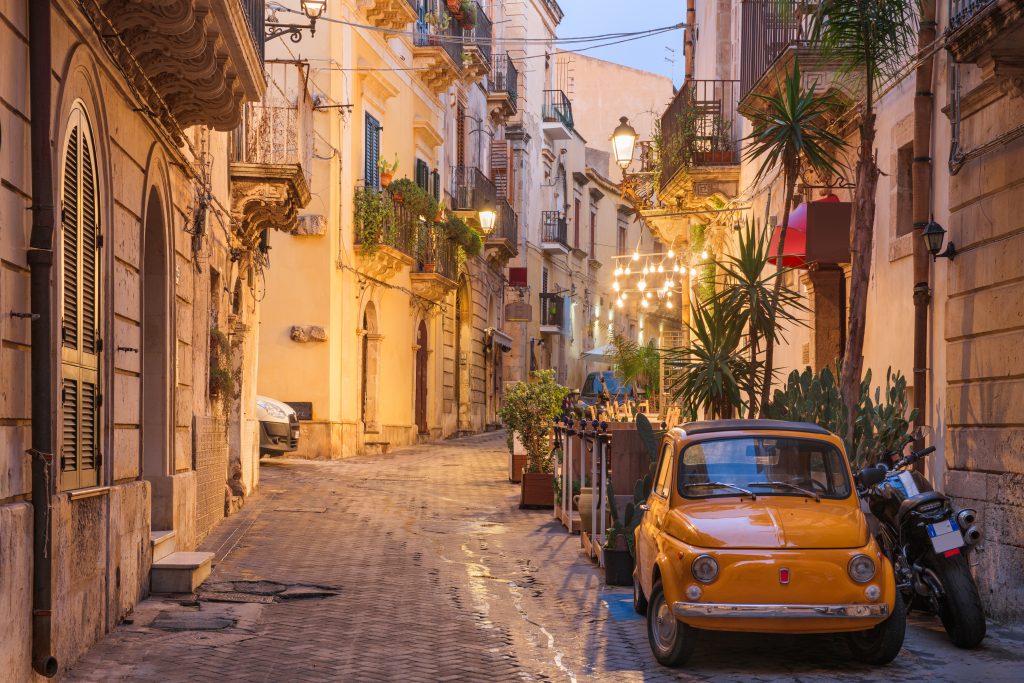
column 422, row 356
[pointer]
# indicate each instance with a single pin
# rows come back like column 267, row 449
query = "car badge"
column 783, row 575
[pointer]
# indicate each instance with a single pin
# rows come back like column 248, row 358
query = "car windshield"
column 765, row 467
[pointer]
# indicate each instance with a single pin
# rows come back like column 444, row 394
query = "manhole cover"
column 192, row 621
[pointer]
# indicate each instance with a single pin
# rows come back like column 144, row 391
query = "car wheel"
column 881, row 644
column 639, row 601
column 672, row 641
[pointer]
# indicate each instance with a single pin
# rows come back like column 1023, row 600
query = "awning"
column 818, row 232
column 499, row 338
column 601, row 354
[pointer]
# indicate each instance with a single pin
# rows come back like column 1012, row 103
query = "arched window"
column 80, row 306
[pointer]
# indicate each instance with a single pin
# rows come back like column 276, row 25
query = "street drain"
column 264, row 592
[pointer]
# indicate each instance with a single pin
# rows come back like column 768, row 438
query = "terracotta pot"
column 454, row 6
column 385, row 179
column 439, row 218
column 538, row 490
column 430, row 268
column 398, row 198
column 583, row 501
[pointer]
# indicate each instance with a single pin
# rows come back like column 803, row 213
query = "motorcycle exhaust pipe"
column 972, row 536
column 966, row 517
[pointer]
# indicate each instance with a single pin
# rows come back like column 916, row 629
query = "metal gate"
column 210, row 461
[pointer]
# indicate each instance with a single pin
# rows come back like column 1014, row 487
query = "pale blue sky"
column 592, row 17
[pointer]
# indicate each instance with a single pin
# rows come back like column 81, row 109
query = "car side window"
column 664, row 471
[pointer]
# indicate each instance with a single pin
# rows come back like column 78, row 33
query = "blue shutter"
column 371, row 172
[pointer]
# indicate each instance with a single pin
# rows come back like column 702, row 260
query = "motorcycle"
column 927, row 539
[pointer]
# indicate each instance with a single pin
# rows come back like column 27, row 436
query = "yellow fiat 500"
column 755, row 525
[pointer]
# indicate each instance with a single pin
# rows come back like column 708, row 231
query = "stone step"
column 162, row 542
column 180, row 572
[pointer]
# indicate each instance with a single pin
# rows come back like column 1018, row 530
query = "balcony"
column 554, row 237
column 503, row 89
column 391, row 14
column 193, row 63
column 990, row 34
column 272, row 158
column 471, row 191
column 552, row 313
column 773, row 35
column 436, row 272
column 478, row 47
column 504, row 240
column 388, row 247
column 437, row 47
column 556, row 117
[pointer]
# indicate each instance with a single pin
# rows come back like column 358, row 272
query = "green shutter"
column 372, row 171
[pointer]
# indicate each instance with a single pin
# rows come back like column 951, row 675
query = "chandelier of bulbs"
column 660, row 278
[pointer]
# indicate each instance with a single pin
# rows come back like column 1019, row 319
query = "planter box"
column 538, row 490
column 618, row 567
column 516, row 463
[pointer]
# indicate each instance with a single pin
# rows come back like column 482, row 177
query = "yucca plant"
column 757, row 296
column 712, row 372
column 790, row 131
column 637, row 364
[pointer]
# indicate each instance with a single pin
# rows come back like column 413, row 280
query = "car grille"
column 293, row 424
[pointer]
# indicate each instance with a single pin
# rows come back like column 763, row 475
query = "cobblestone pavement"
column 437, row 576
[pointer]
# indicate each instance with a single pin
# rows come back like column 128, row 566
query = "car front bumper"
column 277, row 438
column 687, row 610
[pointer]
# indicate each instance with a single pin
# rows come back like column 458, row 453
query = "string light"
column 704, row 255
column 642, row 285
column 618, row 304
column 627, row 270
column 671, row 254
column 615, row 285
column 636, row 255
column 661, row 268
column 644, row 303
column 668, row 304
column 693, row 272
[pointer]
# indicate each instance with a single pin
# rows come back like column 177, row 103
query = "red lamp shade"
column 824, row 223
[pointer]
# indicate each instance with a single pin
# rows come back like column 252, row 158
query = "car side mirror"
column 871, row 476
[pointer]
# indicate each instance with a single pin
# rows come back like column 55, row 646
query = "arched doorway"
column 370, row 371
column 463, row 355
column 155, row 405
column 422, row 354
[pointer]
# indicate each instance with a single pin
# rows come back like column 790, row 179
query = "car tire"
column 639, row 601
column 881, row 644
column 960, row 606
column 672, row 641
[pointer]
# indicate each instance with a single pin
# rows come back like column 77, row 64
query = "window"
column 620, row 240
column 423, row 175
column 80, row 459
column 664, row 472
column 460, row 135
column 371, row 174
column 576, row 222
column 593, row 233
column 905, row 190
column 544, row 280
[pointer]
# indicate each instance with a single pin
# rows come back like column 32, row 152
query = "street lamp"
column 623, row 143
column 313, row 9
column 488, row 217
column 933, row 236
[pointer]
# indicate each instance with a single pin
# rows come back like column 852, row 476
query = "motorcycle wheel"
column 881, row 644
column 960, row 606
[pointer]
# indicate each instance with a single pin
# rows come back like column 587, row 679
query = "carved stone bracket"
column 308, row 333
column 476, row 66
column 439, row 70
column 382, row 263
column 431, row 286
column 314, row 225
column 266, row 196
column 390, row 14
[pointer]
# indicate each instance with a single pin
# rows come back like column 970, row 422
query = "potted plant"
column 386, row 170
column 467, row 13
column 373, row 214
column 618, row 562
column 529, row 410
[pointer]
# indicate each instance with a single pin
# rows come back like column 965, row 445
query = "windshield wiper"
column 744, row 491
column 809, row 494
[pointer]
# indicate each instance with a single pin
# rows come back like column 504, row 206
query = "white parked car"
column 279, row 426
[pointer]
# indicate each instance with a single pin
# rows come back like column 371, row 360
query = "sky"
column 593, row 17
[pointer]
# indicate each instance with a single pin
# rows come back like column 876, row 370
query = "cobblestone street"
column 418, row 566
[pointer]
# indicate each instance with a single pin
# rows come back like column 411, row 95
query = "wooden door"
column 421, row 378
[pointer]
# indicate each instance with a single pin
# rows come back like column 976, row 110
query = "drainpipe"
column 689, row 34
column 40, row 262
column 924, row 106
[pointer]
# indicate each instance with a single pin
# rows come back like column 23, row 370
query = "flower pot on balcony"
column 385, row 179
column 398, row 197
column 454, row 6
column 538, row 490
column 429, row 267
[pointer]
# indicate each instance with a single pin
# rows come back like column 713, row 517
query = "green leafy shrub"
column 530, row 409
column 419, row 202
column 374, row 214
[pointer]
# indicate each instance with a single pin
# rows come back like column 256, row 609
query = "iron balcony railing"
column 437, row 27
column 701, row 127
column 962, row 11
column 552, row 310
column 471, row 189
column 401, row 230
column 504, row 78
column 554, row 228
column 254, row 15
column 480, row 35
column 438, row 253
column 768, row 28
column 415, row 4
column 507, row 225
column 557, row 108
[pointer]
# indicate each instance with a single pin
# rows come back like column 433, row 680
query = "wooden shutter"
column 500, row 160
column 423, row 175
column 460, row 136
column 436, row 180
column 80, row 459
column 372, row 153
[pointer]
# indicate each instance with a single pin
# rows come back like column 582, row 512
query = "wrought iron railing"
column 399, row 229
column 507, row 225
column 471, row 189
column 254, row 15
column 437, row 27
column 554, row 227
column 480, row 35
column 504, row 78
column 438, row 252
column 552, row 310
column 701, row 127
column 769, row 28
column 962, row 11
column 557, row 107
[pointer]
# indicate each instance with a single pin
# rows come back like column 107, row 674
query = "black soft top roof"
column 709, row 426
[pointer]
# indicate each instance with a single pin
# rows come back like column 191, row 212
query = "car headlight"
column 861, row 568
column 704, row 568
column 272, row 410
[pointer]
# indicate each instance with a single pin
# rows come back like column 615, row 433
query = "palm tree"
column 637, row 364
column 790, row 129
column 761, row 302
column 713, row 372
column 870, row 39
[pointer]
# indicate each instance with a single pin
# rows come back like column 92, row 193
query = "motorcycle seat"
column 914, row 501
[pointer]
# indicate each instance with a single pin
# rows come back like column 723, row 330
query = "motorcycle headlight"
column 704, row 568
column 861, row 568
